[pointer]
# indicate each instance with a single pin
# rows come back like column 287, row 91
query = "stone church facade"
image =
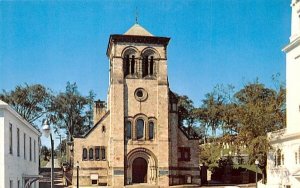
column 136, row 138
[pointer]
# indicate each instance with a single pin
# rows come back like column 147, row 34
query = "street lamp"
column 256, row 163
column 47, row 132
column 77, row 166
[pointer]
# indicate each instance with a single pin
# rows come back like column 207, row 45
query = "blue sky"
column 212, row 41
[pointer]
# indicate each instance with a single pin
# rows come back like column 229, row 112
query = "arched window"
column 140, row 129
column 278, row 154
column 91, row 154
column 151, row 65
column 126, row 65
column 151, row 130
column 132, row 64
column 84, row 154
column 145, row 66
column 128, row 130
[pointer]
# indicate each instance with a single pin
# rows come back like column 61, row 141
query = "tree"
column 210, row 111
column 30, row 101
column 68, row 111
column 46, row 152
column 186, row 110
column 61, row 147
column 261, row 110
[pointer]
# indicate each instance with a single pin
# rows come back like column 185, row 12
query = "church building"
column 137, row 138
column 283, row 167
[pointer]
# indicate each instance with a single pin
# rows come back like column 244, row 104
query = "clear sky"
column 212, row 41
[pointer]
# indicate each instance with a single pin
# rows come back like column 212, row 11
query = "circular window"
column 140, row 94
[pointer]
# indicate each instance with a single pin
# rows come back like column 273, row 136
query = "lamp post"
column 256, row 164
column 47, row 131
column 77, row 166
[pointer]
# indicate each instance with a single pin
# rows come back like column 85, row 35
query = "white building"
column 283, row 169
column 19, row 149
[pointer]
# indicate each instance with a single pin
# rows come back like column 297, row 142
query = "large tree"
column 30, row 101
column 260, row 110
column 71, row 112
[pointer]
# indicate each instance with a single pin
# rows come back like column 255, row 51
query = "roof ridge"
column 137, row 29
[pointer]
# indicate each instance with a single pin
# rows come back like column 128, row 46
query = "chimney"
column 99, row 110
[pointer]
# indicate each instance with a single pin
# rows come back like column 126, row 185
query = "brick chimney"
column 99, row 110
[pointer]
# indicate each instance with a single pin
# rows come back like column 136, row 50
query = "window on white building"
column 10, row 139
column 299, row 155
column 11, row 184
column 24, row 146
column 278, row 157
column 30, row 154
column 18, row 142
column 34, row 152
column 296, row 157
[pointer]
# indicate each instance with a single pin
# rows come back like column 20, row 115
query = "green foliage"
column 210, row 154
column 30, row 101
column 69, row 111
column 45, row 152
column 185, row 110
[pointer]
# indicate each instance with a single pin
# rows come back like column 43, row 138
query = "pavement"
column 45, row 182
column 56, row 164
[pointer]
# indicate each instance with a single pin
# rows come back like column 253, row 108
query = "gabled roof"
column 6, row 106
column 3, row 103
column 137, row 29
column 96, row 125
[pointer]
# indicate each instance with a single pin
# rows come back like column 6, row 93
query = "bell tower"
column 138, row 101
column 292, row 51
column 295, row 19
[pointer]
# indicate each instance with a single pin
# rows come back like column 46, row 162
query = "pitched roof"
column 136, row 29
column 96, row 124
column 3, row 103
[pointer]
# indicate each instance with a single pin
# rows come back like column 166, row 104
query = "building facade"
column 283, row 165
column 19, row 150
column 136, row 138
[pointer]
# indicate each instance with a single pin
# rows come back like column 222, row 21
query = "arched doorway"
column 139, row 170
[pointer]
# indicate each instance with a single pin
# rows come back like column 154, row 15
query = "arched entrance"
column 139, row 170
column 141, row 167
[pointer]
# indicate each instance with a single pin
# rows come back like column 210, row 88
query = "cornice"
column 291, row 45
column 285, row 137
column 115, row 38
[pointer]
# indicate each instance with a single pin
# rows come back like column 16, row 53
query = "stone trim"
column 180, row 176
column 135, row 39
column 184, row 168
column 93, row 168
